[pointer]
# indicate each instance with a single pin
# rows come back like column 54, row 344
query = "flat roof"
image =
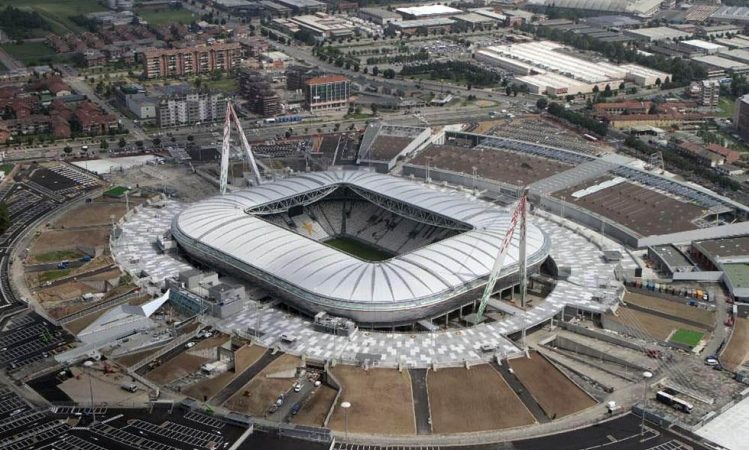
column 380, row 12
column 739, row 54
column 672, row 256
column 428, row 10
column 473, row 18
column 724, row 248
column 326, row 79
column 659, row 33
column 423, row 23
column 703, row 44
column 723, row 63
column 302, row 3
column 737, row 274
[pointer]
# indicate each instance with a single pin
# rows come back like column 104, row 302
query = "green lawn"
column 32, row 53
column 53, row 275
column 6, row 168
column 686, row 337
column 225, row 84
column 358, row 249
column 58, row 255
column 117, row 191
column 58, row 12
column 165, row 16
column 728, row 106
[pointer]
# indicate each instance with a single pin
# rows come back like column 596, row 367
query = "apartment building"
column 189, row 107
column 174, row 62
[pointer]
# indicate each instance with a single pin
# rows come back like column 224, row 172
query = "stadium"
column 355, row 244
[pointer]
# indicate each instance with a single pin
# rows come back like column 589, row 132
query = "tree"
column 190, row 138
column 542, row 103
column 388, row 73
column 508, row 91
column 4, row 218
column 156, row 142
column 68, row 149
column 375, row 70
column 122, row 143
column 103, row 145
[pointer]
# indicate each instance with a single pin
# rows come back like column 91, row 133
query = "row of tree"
column 578, row 119
column 18, row 24
column 422, row 55
column 456, row 71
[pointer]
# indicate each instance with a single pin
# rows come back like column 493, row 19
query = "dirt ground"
column 652, row 325
column 262, row 391
column 381, row 399
column 487, row 125
column 243, row 358
column 106, row 388
column 177, row 367
column 554, row 392
column 69, row 239
column 478, row 399
column 313, row 412
column 737, row 350
column 675, row 309
column 98, row 212
column 132, row 358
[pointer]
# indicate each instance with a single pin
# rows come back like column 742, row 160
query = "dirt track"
column 473, row 400
column 554, row 392
column 737, row 350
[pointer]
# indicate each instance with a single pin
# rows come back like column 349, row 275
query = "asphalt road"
column 521, row 392
column 421, row 400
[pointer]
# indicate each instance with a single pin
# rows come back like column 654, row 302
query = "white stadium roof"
column 425, row 276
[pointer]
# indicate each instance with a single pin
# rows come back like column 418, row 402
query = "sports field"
column 686, row 337
column 164, row 16
column 358, row 249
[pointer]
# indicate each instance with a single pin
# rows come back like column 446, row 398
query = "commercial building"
column 379, row 16
column 645, row 76
column 221, row 57
column 738, row 14
column 656, row 34
column 327, row 92
column 707, row 92
column 325, row 26
column 190, row 107
column 639, row 8
column 741, row 117
column 427, row 12
column 717, row 66
column 142, row 106
column 720, row 30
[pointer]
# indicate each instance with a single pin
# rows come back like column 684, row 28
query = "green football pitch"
column 686, row 337
column 358, row 249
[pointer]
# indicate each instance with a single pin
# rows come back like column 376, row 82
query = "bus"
column 674, row 402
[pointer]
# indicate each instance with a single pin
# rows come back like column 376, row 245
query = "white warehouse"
column 546, row 70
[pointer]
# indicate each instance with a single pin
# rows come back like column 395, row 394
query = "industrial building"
column 639, row 8
column 379, row 16
column 738, row 14
column 546, row 70
column 656, row 34
column 327, row 92
column 427, row 12
column 303, row 6
column 221, row 57
column 324, row 26
column 717, row 66
column 421, row 25
column 705, row 47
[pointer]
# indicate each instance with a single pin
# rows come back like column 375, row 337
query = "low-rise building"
column 700, row 153
column 143, row 107
column 379, row 16
column 655, row 34
column 422, row 26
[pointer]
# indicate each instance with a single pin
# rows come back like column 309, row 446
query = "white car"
column 297, row 387
column 189, row 344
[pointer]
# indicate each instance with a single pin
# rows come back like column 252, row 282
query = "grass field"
column 222, row 85
column 358, row 249
column 6, row 168
column 58, row 12
column 164, row 16
column 687, row 337
column 53, row 275
column 58, row 255
column 32, row 53
column 117, row 191
column 728, row 106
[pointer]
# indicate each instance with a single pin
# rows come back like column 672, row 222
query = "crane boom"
column 246, row 146
column 518, row 216
column 231, row 116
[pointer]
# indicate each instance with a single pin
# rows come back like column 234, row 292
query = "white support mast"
column 518, row 217
column 231, row 116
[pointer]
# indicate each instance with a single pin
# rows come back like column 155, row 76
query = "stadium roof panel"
column 427, row 275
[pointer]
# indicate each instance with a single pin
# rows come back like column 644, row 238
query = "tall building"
column 706, row 92
column 327, row 92
column 255, row 87
column 741, row 118
column 192, row 60
column 297, row 75
column 190, row 107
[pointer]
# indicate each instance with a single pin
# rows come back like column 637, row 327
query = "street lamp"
column 345, row 406
column 645, row 376
column 89, row 364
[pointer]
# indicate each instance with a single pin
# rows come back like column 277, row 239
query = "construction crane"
column 518, row 218
column 231, row 117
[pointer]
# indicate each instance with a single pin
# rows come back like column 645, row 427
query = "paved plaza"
column 590, row 287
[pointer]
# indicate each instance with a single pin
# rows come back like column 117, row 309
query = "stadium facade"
column 441, row 244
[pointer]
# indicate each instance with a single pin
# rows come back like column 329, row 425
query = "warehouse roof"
column 705, row 45
column 722, row 63
column 428, row 10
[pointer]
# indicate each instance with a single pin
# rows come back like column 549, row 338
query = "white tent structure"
column 121, row 321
